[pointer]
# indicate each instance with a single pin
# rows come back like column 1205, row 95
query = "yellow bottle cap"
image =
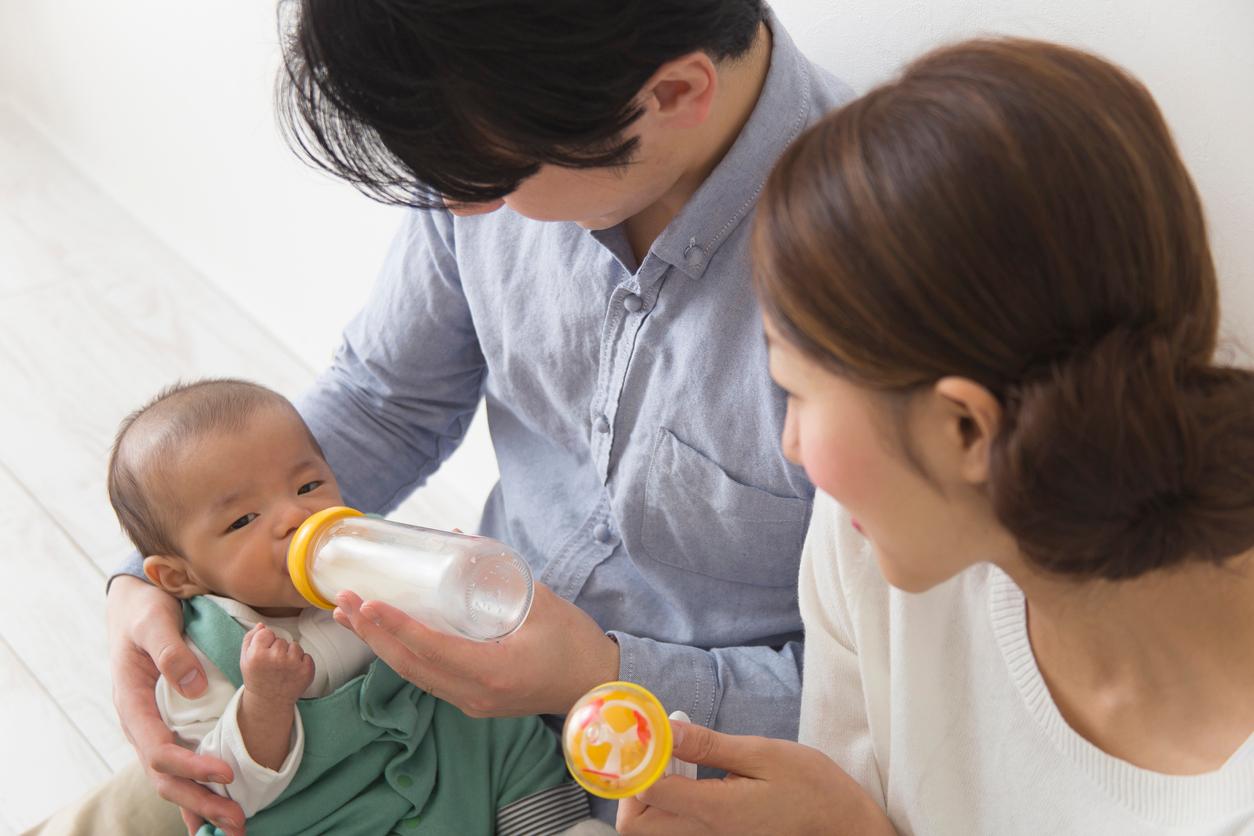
column 617, row 740
column 298, row 551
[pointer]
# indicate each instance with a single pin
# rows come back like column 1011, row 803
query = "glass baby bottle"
column 470, row 586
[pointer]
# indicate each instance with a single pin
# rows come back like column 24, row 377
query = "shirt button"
column 632, row 302
column 602, row 424
column 693, row 254
column 404, row 780
column 601, row 533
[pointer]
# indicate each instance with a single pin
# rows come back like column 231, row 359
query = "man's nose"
column 465, row 210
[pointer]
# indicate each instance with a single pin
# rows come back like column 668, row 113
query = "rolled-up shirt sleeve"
column 727, row 689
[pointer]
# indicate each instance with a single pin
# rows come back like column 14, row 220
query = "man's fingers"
column 738, row 754
column 408, row 646
column 174, row 761
column 199, row 802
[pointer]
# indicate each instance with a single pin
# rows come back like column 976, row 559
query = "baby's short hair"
column 149, row 435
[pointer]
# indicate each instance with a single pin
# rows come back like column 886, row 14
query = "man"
column 583, row 174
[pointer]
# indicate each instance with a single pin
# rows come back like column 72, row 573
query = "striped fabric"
column 544, row 813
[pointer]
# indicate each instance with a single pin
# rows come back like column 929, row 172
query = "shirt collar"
column 731, row 190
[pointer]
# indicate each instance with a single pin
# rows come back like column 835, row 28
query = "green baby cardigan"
column 382, row 756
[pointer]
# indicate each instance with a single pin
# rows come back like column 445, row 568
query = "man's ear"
column 682, row 90
column 972, row 418
column 172, row 575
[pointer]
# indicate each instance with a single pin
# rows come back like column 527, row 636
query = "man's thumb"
column 181, row 669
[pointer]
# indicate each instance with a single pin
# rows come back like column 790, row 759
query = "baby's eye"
column 309, row 486
column 241, row 522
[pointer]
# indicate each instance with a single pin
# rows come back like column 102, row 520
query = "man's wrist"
column 603, row 669
column 613, row 659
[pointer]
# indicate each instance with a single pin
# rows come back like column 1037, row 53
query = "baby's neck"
column 279, row 612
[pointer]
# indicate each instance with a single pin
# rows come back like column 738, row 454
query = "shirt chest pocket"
column 699, row 519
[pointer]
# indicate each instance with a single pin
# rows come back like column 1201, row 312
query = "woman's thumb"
column 737, row 754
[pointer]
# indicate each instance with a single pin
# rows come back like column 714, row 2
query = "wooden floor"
column 95, row 316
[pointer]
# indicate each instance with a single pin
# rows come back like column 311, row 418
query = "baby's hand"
column 274, row 669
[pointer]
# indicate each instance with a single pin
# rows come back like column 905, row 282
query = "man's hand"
column 557, row 655
column 144, row 624
column 773, row 787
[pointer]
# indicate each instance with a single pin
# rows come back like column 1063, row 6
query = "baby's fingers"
column 264, row 638
column 248, row 638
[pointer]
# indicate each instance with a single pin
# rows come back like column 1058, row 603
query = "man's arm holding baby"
column 145, row 631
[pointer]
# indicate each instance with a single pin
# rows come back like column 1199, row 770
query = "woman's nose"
column 788, row 441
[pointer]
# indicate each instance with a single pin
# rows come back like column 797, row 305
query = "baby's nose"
column 290, row 520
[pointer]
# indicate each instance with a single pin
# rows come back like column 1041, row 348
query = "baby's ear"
column 171, row 574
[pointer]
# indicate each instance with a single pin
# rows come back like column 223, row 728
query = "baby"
column 209, row 481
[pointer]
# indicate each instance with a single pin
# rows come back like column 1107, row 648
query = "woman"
column 989, row 295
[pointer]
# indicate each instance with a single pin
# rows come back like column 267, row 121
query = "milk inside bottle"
column 469, row 586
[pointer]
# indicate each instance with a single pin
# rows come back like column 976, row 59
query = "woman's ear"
column 972, row 419
column 172, row 575
column 682, row 90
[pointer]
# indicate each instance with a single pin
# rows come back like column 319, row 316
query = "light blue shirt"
column 633, row 417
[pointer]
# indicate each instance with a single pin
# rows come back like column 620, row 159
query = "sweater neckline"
column 1166, row 800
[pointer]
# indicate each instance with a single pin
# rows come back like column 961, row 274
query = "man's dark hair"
column 413, row 101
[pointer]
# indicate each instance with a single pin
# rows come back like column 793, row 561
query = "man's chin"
column 597, row 224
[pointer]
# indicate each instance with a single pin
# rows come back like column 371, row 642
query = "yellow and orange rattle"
column 617, row 740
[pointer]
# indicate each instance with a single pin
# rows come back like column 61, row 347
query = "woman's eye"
column 241, row 522
column 309, row 486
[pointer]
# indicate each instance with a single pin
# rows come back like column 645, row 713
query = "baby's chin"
column 285, row 606
column 279, row 612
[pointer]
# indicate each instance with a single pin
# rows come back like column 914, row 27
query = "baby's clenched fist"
column 273, row 668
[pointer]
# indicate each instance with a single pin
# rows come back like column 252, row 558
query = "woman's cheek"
column 841, row 469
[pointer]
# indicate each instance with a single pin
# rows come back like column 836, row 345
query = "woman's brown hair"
column 1015, row 212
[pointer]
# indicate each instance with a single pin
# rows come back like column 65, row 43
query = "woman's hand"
column 542, row 668
column 145, row 639
column 773, row 787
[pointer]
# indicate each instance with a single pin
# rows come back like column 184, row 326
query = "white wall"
column 1196, row 58
column 168, row 106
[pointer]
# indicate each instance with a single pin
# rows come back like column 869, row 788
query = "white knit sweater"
column 935, row 705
